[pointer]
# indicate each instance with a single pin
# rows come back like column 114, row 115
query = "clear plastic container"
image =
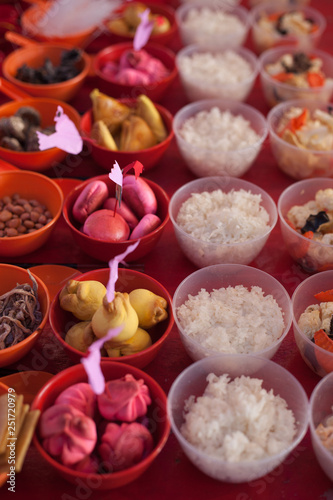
column 204, row 88
column 321, row 403
column 276, row 91
column 264, row 38
column 312, row 256
column 318, row 359
column 298, row 163
column 192, row 381
column 203, row 253
column 205, row 162
column 222, row 276
column 211, row 37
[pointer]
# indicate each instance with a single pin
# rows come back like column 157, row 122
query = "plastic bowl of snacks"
column 28, row 303
column 306, row 212
column 35, row 23
column 46, row 70
column 287, row 74
column 112, row 464
column 321, row 403
column 214, row 25
column 123, row 72
column 30, row 206
column 217, row 73
column 301, row 138
column 219, row 136
column 150, row 300
column 241, row 218
column 124, row 22
column 218, row 309
column 274, row 25
column 19, row 144
column 143, row 136
column 312, row 302
column 142, row 216
column 223, row 392
column 282, row 3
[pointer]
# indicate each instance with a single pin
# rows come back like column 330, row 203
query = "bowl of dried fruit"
column 126, row 130
column 30, row 206
column 24, row 308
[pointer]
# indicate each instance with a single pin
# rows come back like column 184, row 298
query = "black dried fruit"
column 11, row 143
column 30, row 115
column 314, row 221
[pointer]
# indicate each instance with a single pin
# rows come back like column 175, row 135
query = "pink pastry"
column 90, row 199
column 79, row 396
column 107, row 226
column 67, row 433
column 122, row 210
column 147, row 224
column 139, row 196
column 125, row 445
column 132, row 76
column 124, row 399
column 88, row 465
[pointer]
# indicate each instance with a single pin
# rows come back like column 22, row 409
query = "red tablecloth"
column 172, row 475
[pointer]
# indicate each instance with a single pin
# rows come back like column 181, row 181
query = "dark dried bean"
column 29, row 224
column 5, row 215
column 14, row 223
column 10, row 231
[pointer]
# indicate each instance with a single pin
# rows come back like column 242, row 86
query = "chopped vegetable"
column 326, row 296
column 321, row 339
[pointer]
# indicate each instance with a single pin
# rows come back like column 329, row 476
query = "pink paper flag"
column 143, row 31
column 116, row 174
column 92, row 363
column 113, row 265
column 66, row 136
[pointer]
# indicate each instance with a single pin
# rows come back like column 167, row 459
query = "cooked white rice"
column 232, row 319
column 238, row 420
column 218, row 130
column 208, row 22
column 219, row 217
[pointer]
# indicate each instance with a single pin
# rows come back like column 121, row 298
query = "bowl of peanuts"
column 30, row 205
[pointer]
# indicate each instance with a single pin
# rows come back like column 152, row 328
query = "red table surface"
column 172, row 475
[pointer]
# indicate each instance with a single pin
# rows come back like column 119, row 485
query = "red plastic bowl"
column 148, row 157
column 104, row 250
column 154, row 91
column 156, row 413
column 162, row 38
column 128, row 280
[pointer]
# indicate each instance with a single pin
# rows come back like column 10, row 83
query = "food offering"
column 127, row 21
column 119, row 127
column 99, row 433
column 18, row 132
column 20, row 313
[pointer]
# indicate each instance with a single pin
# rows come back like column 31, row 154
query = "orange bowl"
column 157, row 419
column 33, row 16
column 128, row 280
column 155, row 91
column 148, row 157
column 10, row 276
column 37, row 160
column 30, row 185
column 105, row 250
column 161, row 38
column 34, row 56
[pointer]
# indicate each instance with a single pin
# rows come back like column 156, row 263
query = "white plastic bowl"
column 205, row 162
column 298, row 163
column 264, row 39
column 276, row 92
column 221, row 276
column 203, row 253
column 312, row 256
column 321, row 402
column 192, row 381
column 204, row 88
column 206, row 37
column 318, row 359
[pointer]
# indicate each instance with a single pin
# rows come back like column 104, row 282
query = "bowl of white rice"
column 222, row 220
column 208, row 73
column 213, row 24
column 237, row 417
column 219, row 136
column 231, row 309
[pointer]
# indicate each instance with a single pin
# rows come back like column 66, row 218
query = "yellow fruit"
column 116, row 313
column 147, row 110
column 140, row 341
column 80, row 336
column 150, row 308
column 82, row 298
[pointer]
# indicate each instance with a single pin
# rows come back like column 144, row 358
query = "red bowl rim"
column 129, row 356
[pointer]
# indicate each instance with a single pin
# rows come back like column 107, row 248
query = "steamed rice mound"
column 232, row 319
column 219, row 217
column 238, row 420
